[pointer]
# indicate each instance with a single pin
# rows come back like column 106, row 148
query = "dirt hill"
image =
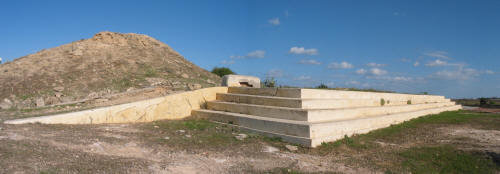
column 105, row 64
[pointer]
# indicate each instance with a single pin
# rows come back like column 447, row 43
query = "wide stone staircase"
column 312, row 116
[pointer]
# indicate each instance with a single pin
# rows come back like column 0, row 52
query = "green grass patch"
column 198, row 124
column 451, row 117
column 444, row 159
column 351, row 142
column 121, row 84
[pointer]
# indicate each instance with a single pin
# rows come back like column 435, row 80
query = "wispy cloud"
column 371, row 72
column 361, row 71
column 287, row 14
column 378, row 71
column 459, row 74
column 392, row 78
column 302, row 50
column 416, row 64
column 274, row 21
column 303, row 77
column 375, row 64
column 439, row 62
column 438, row 54
column 404, row 59
column 256, row 54
column 309, row 62
column 341, row 65
column 277, row 73
column 253, row 54
column 227, row 62
column 485, row 71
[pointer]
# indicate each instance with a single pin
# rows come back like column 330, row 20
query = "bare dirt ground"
column 198, row 146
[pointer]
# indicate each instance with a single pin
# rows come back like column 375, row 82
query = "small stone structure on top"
column 240, row 81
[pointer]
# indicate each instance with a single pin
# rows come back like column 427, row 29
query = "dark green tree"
column 322, row 86
column 222, row 71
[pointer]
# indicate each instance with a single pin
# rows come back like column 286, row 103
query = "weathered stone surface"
column 291, row 148
column 40, row 102
column 175, row 106
column 184, row 75
column 156, row 81
column 241, row 137
column 58, row 94
column 6, row 104
column 52, row 100
column 311, row 116
column 194, row 86
column 93, row 95
column 240, row 81
column 59, row 89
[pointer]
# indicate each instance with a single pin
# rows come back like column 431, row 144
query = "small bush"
column 322, row 86
column 408, row 102
column 483, row 101
column 382, row 102
column 270, row 82
column 222, row 71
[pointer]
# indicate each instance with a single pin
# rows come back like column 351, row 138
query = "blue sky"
column 448, row 48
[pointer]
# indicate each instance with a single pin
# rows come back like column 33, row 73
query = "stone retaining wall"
column 175, row 106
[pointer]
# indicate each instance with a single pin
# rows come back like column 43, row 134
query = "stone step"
column 330, row 94
column 311, row 103
column 316, row 115
column 313, row 134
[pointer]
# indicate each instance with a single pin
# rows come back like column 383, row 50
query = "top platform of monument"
column 329, row 94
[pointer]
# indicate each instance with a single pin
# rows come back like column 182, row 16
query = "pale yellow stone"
column 175, row 106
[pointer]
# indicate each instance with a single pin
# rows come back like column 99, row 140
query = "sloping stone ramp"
column 312, row 116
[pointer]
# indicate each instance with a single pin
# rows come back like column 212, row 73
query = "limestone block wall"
column 175, row 106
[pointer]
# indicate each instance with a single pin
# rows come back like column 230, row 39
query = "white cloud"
column 341, row 65
column 361, row 71
column 274, row 21
column 257, row 54
column 227, row 62
column 377, row 71
column 401, row 78
column 302, row 50
column 437, row 62
column 438, row 54
column 371, row 72
column 375, row 65
column 309, row 62
column 287, row 13
column 0, row 60
column 277, row 73
column 392, row 78
column 301, row 78
column 459, row 74
column 253, row 54
column 416, row 64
